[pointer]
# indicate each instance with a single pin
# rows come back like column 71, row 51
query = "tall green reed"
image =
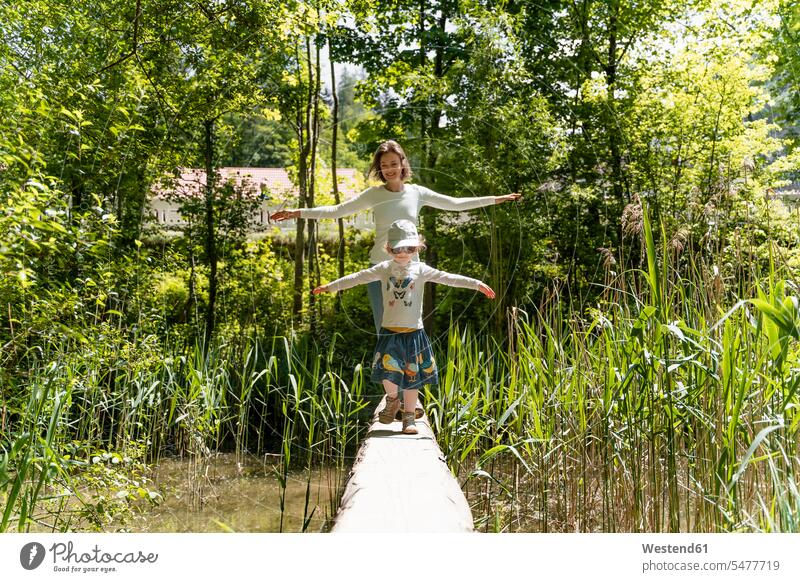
column 257, row 395
column 32, row 460
column 657, row 410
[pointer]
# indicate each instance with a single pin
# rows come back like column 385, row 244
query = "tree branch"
column 124, row 58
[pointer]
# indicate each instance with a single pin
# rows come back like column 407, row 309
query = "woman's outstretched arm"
column 361, row 202
column 442, row 202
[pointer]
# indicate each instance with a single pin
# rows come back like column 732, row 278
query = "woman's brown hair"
column 389, row 146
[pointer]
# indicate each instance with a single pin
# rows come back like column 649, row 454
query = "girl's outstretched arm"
column 486, row 290
column 453, row 280
column 365, row 276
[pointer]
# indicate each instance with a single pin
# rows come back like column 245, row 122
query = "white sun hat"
column 403, row 233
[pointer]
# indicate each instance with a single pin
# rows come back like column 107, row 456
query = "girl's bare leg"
column 391, row 389
column 409, row 400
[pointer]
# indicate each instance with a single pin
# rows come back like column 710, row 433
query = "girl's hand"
column 320, row 289
column 285, row 215
column 507, row 198
column 486, row 290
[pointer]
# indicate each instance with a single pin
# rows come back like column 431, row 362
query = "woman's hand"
column 507, row 198
column 285, row 215
column 320, row 289
column 486, row 290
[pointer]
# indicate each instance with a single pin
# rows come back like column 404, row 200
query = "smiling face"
column 391, row 167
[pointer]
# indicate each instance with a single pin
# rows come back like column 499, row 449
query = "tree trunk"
column 303, row 122
column 299, row 241
column 189, row 309
column 582, row 68
column 314, row 75
column 428, row 159
column 614, row 137
column 429, row 134
column 131, row 207
column 336, row 199
column 497, row 270
column 712, row 159
column 210, row 228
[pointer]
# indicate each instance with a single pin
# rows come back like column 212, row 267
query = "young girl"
column 394, row 200
column 403, row 357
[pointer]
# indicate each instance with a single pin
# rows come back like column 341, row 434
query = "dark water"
column 221, row 494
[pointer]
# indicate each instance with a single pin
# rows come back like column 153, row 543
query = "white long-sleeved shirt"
column 389, row 206
column 402, row 287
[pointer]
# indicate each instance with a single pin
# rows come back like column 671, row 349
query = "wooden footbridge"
column 401, row 483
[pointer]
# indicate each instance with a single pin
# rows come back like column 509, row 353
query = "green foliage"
column 694, row 117
column 657, row 134
column 257, row 292
column 172, row 294
column 257, row 141
column 785, row 55
column 113, row 486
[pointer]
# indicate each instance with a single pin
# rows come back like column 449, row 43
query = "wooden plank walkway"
column 401, row 483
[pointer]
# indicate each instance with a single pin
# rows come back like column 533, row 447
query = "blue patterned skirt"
column 405, row 359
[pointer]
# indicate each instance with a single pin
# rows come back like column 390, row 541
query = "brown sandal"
column 409, row 424
column 386, row 415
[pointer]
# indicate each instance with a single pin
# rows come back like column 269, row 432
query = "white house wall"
column 167, row 215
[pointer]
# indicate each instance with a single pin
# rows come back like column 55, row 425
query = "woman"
column 395, row 200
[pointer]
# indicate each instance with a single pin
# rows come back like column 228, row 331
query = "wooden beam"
column 401, row 483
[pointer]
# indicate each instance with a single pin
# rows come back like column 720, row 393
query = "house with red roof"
column 272, row 187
